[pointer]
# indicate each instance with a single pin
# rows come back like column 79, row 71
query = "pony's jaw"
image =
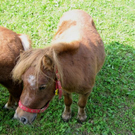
column 24, row 117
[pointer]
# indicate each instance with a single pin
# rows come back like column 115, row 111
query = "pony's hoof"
column 81, row 118
column 66, row 117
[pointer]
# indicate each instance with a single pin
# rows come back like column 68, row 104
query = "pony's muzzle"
column 24, row 117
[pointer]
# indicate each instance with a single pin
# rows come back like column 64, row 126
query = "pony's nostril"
column 24, row 120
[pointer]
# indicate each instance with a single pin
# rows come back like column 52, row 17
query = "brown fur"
column 65, row 26
column 77, row 52
column 10, row 47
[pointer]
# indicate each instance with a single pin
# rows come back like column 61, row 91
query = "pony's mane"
column 31, row 57
column 35, row 58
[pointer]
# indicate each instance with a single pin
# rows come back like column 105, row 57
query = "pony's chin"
column 24, row 117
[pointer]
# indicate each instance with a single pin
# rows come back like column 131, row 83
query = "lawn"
column 111, row 105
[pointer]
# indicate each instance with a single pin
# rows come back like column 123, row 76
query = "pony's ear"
column 47, row 62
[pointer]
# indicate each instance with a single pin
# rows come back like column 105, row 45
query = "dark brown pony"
column 10, row 46
column 77, row 53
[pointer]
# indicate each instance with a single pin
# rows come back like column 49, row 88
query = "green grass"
column 111, row 105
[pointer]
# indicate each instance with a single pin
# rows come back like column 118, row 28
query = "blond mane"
column 31, row 57
column 35, row 58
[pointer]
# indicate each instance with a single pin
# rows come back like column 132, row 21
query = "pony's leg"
column 67, row 111
column 81, row 107
column 11, row 103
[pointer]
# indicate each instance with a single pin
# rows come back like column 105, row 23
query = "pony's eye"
column 42, row 87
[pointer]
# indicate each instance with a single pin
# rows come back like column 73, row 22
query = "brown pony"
column 77, row 54
column 10, row 46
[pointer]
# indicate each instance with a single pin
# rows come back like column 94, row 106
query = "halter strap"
column 32, row 110
column 58, row 85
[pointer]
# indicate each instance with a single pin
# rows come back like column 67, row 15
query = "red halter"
column 32, row 110
column 58, row 85
column 58, row 90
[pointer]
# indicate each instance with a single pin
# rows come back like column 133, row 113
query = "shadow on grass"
column 112, row 101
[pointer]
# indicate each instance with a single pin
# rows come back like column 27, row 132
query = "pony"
column 11, row 44
column 72, row 62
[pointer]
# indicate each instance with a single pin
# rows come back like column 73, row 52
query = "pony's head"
column 36, row 70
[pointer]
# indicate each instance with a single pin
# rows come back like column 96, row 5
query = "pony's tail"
column 26, row 42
